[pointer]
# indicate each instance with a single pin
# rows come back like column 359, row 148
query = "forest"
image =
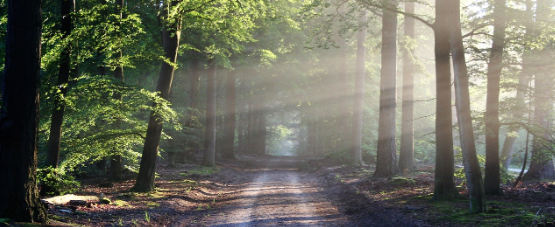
column 304, row 112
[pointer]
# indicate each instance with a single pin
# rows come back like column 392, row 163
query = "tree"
column 19, row 115
column 492, row 179
column 386, row 163
column 359, row 92
column 208, row 158
column 444, row 185
column 541, row 165
column 462, row 102
column 522, row 89
column 116, row 162
column 55, row 136
column 170, row 36
column 406, row 156
column 230, row 117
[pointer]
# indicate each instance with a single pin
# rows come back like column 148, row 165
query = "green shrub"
column 55, row 181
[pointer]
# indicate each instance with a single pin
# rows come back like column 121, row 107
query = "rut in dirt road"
column 278, row 198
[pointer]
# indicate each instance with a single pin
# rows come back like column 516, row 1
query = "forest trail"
column 277, row 195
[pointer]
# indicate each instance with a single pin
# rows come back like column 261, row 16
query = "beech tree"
column 209, row 155
column 230, row 116
column 444, row 184
column 170, row 36
column 492, row 178
column 541, row 165
column 116, row 161
column 386, row 163
column 406, row 156
column 359, row 92
column 55, row 136
column 462, row 102
column 522, row 89
column 19, row 117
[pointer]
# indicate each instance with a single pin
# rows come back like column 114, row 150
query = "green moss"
column 152, row 204
column 498, row 214
column 189, row 182
column 201, row 170
column 401, row 181
column 120, row 203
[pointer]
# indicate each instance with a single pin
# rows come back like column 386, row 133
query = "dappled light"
column 277, row 113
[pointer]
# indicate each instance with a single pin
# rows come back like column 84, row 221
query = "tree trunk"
column 522, row 89
column 386, row 160
column 192, row 147
column 230, row 117
column 170, row 35
column 19, row 117
column 343, row 104
column 210, row 131
column 541, row 164
column 406, row 156
column 356, row 155
column 444, row 185
column 55, row 137
column 462, row 102
column 250, row 128
column 261, row 148
column 492, row 179
column 116, row 161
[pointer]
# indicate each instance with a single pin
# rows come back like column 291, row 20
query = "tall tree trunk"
column 444, row 185
column 170, row 36
column 541, row 164
column 356, row 154
column 261, row 148
column 116, row 162
column 343, row 104
column 230, row 117
column 522, row 89
column 190, row 124
column 210, row 131
column 462, row 102
column 492, row 179
column 386, row 163
column 55, row 137
column 19, row 117
column 406, row 156
column 250, row 128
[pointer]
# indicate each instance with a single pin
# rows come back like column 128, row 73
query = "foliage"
column 56, row 181
column 97, row 126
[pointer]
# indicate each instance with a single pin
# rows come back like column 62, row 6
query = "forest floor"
column 289, row 191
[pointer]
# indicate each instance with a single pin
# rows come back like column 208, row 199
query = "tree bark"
column 406, row 156
column 492, row 179
column 230, row 117
column 170, row 36
column 462, row 102
column 356, row 155
column 210, row 131
column 55, row 137
column 444, row 185
column 386, row 163
column 19, row 117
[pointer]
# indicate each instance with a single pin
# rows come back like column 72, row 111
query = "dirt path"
column 276, row 197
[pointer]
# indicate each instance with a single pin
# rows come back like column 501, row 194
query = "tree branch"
column 368, row 4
